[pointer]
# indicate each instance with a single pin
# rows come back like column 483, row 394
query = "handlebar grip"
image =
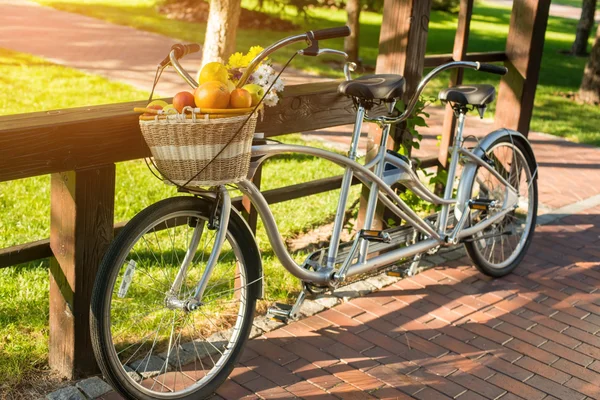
column 331, row 33
column 182, row 50
column 492, row 69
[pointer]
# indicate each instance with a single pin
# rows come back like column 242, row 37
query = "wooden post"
column 249, row 211
column 461, row 41
column 82, row 207
column 402, row 44
column 524, row 47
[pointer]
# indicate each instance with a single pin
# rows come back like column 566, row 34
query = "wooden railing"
column 79, row 148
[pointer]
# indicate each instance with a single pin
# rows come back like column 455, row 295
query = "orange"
column 240, row 98
column 212, row 94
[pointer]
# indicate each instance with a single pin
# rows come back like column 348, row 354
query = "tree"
column 589, row 92
column 584, row 27
column 351, row 43
column 223, row 19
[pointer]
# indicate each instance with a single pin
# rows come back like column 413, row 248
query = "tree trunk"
column 589, row 92
column 351, row 42
column 221, row 28
column 586, row 23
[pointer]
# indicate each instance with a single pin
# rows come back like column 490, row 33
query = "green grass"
column 560, row 74
column 25, row 208
column 572, row 3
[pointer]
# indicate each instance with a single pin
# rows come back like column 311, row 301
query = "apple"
column 183, row 99
column 256, row 91
column 153, row 107
column 240, row 98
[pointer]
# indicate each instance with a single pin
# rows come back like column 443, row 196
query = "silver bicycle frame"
column 383, row 192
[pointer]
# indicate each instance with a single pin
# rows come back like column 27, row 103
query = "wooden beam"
column 402, row 43
column 40, row 249
column 461, row 41
column 81, row 229
column 66, row 140
column 524, row 47
column 486, row 57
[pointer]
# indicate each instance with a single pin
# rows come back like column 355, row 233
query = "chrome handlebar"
column 308, row 37
column 184, row 74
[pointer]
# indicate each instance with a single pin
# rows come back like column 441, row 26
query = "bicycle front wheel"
column 148, row 342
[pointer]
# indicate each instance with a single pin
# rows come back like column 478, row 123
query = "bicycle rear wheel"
column 497, row 250
column 148, row 343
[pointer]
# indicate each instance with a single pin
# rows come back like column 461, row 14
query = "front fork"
column 222, row 200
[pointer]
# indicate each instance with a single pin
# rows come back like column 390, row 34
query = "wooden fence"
column 79, row 148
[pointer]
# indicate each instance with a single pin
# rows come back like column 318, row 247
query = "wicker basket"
column 182, row 148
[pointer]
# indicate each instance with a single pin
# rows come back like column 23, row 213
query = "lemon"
column 213, row 71
column 160, row 103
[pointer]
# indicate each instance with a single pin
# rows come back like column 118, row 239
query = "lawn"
column 24, row 289
column 554, row 113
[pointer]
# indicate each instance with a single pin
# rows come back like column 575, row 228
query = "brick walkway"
column 449, row 332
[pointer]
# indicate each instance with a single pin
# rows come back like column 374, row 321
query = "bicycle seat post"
column 346, row 182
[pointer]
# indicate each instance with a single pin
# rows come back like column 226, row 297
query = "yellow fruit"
column 256, row 91
column 240, row 98
column 212, row 94
column 213, row 71
column 160, row 103
column 168, row 107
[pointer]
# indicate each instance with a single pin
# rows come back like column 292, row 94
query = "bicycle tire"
column 107, row 315
column 482, row 251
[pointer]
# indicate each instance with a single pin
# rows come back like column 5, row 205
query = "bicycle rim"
column 503, row 242
column 162, row 350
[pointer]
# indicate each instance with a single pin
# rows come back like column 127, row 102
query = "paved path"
column 114, row 51
column 556, row 10
column 449, row 332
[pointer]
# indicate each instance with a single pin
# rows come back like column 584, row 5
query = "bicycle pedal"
column 279, row 318
column 375, row 236
column 398, row 272
column 481, row 204
column 283, row 306
column 280, row 312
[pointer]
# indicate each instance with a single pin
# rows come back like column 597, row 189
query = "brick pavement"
column 449, row 332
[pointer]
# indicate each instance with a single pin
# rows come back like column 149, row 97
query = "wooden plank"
column 249, row 210
column 486, row 57
column 402, row 43
column 40, row 249
column 461, row 41
column 65, row 140
column 24, row 253
column 81, row 229
column 524, row 47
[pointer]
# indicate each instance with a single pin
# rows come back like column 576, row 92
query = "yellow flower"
column 252, row 53
column 236, row 60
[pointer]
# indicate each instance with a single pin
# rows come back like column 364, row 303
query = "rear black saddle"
column 475, row 95
column 386, row 87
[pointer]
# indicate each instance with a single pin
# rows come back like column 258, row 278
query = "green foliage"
column 445, row 5
column 411, row 139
